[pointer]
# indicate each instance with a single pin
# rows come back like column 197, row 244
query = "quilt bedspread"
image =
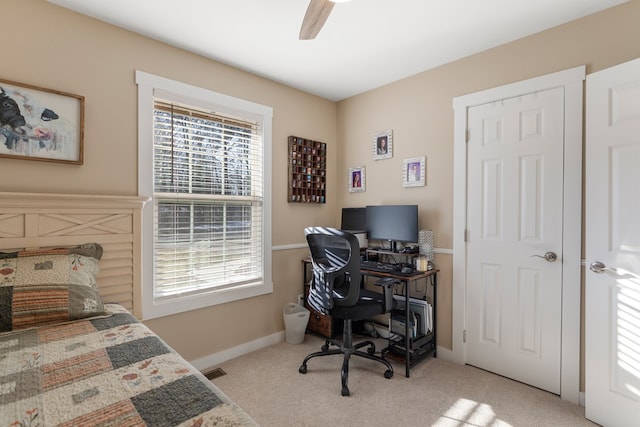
column 108, row 370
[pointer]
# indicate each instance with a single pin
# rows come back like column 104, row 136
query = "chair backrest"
column 335, row 257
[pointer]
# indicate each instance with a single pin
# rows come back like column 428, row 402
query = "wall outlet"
column 300, row 298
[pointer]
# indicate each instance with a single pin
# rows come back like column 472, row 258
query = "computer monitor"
column 354, row 219
column 394, row 223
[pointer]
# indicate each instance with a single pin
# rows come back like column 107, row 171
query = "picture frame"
column 383, row 145
column 414, row 172
column 40, row 124
column 357, row 180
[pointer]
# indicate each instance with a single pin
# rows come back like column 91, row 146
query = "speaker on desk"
column 425, row 261
column 425, row 243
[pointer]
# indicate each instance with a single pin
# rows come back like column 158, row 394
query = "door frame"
column 572, row 80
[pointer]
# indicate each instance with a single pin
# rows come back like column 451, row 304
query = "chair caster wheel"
column 387, row 374
column 303, row 369
column 371, row 350
column 325, row 347
column 345, row 391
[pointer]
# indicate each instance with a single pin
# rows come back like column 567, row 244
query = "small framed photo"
column 40, row 124
column 356, row 180
column 383, row 145
column 414, row 172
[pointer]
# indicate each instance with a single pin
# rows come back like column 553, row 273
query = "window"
column 205, row 161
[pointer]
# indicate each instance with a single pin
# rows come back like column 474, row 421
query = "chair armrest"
column 387, row 291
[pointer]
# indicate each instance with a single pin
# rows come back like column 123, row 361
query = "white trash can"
column 296, row 318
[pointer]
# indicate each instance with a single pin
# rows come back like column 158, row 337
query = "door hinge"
column 466, row 135
column 464, row 336
column 466, row 235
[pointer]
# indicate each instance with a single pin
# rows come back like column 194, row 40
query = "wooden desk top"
column 417, row 274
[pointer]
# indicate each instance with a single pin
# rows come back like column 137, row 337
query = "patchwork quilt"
column 104, row 370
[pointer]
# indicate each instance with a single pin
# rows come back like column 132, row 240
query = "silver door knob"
column 548, row 256
column 600, row 267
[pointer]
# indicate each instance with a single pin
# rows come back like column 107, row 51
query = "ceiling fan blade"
column 317, row 14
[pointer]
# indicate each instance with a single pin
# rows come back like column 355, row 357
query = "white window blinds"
column 207, row 200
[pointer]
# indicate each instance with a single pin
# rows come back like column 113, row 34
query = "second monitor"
column 354, row 219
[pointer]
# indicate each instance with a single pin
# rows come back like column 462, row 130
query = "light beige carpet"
column 268, row 386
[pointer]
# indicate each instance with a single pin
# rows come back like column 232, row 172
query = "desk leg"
column 407, row 341
column 434, row 283
column 304, row 275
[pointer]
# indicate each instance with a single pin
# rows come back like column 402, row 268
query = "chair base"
column 348, row 349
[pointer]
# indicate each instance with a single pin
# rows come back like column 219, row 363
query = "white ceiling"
column 363, row 45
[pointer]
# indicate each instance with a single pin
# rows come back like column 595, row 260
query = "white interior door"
column 612, row 327
column 571, row 82
column 514, row 238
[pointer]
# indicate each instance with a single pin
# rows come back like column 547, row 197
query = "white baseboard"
column 446, row 354
column 205, row 363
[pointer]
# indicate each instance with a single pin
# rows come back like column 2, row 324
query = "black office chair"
column 336, row 290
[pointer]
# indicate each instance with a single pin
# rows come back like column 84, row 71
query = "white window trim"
column 147, row 84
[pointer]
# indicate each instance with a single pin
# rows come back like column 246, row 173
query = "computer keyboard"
column 381, row 267
column 384, row 267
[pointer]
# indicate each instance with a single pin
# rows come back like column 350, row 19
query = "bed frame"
column 36, row 220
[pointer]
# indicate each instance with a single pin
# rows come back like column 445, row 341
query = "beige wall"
column 419, row 110
column 54, row 48
column 58, row 49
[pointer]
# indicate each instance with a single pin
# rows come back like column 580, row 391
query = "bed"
column 72, row 350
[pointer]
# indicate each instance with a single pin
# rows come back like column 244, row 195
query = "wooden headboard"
column 34, row 221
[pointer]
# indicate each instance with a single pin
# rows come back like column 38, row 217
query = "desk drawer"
column 319, row 323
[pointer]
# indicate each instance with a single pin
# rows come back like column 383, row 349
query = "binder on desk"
column 397, row 322
column 423, row 312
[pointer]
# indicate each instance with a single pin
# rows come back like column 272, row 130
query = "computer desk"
column 418, row 349
column 415, row 350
